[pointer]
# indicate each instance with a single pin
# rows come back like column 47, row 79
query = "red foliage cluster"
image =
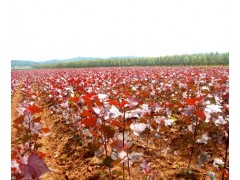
column 116, row 106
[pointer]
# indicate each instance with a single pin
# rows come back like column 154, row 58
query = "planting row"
column 118, row 112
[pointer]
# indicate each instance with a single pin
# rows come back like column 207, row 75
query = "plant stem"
column 105, row 146
column 193, row 144
column 129, row 174
column 160, row 146
column 123, row 137
column 104, row 138
column 110, row 173
column 226, row 154
column 30, row 140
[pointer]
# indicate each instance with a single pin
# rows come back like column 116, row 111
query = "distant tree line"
column 203, row 59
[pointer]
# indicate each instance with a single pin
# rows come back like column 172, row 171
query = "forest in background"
column 201, row 59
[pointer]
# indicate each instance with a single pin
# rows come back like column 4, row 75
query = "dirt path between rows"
column 16, row 98
column 64, row 157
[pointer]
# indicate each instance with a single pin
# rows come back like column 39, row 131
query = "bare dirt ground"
column 70, row 160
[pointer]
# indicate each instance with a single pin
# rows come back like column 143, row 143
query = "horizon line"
column 108, row 57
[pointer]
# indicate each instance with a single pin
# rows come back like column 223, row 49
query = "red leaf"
column 113, row 102
column 117, row 123
column 186, row 120
column 180, row 105
column 35, row 167
column 225, row 172
column 13, row 169
column 14, row 155
column 190, row 101
column 169, row 105
column 194, row 88
column 90, row 121
column 45, row 130
column 94, row 146
column 70, row 81
column 96, row 100
column 90, row 95
column 128, row 123
column 86, row 113
column 74, row 99
column 87, row 100
column 200, row 114
column 34, row 109
column 225, row 96
column 38, row 119
column 109, row 132
column 199, row 99
column 123, row 103
column 117, row 145
column 147, row 114
column 95, row 134
column 19, row 120
column 42, row 155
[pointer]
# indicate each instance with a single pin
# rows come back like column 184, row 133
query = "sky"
column 60, row 29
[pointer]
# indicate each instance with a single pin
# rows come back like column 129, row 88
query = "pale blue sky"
column 58, row 29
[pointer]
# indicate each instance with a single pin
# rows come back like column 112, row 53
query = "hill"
column 26, row 64
column 22, row 64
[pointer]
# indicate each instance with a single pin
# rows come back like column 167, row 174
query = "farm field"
column 120, row 123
